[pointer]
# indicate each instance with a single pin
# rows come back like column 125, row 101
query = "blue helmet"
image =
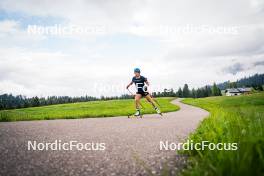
column 137, row 70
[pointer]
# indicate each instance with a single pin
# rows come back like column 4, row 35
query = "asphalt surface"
column 132, row 146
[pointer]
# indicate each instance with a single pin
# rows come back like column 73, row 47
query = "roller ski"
column 136, row 115
column 158, row 111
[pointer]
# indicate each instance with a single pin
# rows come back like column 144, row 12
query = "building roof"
column 238, row 90
column 233, row 90
column 247, row 89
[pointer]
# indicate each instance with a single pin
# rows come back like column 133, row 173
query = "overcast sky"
column 173, row 42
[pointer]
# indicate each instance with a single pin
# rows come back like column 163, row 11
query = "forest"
column 9, row 101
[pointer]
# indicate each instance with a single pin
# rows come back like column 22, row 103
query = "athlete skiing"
column 142, row 91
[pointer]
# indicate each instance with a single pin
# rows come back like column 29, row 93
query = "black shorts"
column 143, row 94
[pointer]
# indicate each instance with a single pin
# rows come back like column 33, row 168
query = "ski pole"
column 130, row 92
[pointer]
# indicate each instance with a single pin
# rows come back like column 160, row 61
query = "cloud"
column 12, row 34
column 234, row 69
column 54, row 73
column 174, row 42
column 244, row 65
column 259, row 63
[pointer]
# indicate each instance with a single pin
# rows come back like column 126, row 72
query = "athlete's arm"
column 129, row 84
column 146, row 81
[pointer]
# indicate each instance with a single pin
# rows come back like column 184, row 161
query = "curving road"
column 132, row 145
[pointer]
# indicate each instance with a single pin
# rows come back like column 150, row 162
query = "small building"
column 237, row 91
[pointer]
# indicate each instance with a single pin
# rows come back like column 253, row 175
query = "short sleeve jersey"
column 139, row 82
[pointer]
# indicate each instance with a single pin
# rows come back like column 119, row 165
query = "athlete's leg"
column 148, row 97
column 137, row 103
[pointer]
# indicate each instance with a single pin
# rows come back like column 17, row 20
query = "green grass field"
column 84, row 110
column 232, row 119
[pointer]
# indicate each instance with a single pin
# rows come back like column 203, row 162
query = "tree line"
column 256, row 81
column 185, row 92
column 9, row 101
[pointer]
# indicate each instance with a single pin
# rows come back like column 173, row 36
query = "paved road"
column 132, row 145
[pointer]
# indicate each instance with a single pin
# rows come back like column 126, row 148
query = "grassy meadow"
column 84, row 110
column 237, row 119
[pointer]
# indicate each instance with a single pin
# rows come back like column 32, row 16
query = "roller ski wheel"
column 135, row 116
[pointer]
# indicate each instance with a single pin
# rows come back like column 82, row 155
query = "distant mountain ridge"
column 251, row 81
